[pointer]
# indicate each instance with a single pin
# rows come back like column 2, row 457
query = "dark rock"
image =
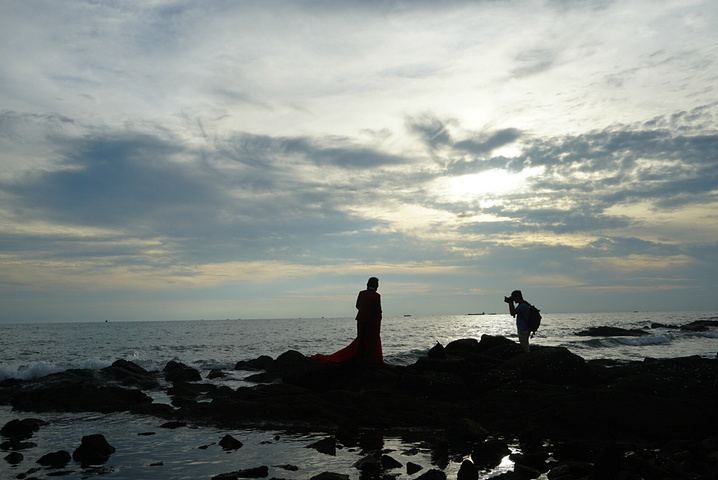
column 488, row 454
column 179, row 372
column 327, row 446
column 73, row 375
column 572, row 451
column 14, row 458
column 22, row 428
column 330, row 476
column 661, row 325
column 534, row 460
column 412, row 468
column 371, row 440
column 291, row 363
column 526, row 472
column 466, row 429
column 464, row 345
column 258, row 472
column 261, row 363
column 226, row 476
column 437, row 351
column 492, row 342
column 93, row 450
column 216, row 373
column 160, row 410
column 16, row 444
column 432, row 474
column 608, row 463
column 182, row 392
column 560, row 472
column 368, row 465
column 222, row 391
column 324, row 377
column 578, row 469
column 73, row 397
column 228, row 442
column 347, row 435
column 129, row 373
column 181, row 402
column 173, row 425
column 700, row 325
column 694, row 328
column 531, row 439
column 55, row 459
column 450, row 365
column 467, row 471
column 389, row 463
column 552, row 365
column 611, row 332
column 509, row 476
column 288, row 361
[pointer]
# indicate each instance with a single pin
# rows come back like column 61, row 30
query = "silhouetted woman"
column 366, row 347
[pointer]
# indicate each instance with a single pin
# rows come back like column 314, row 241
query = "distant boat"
column 482, row 313
column 407, row 315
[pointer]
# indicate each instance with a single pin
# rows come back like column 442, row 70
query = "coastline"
column 464, row 397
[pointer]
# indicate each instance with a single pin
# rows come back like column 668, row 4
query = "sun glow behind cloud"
column 485, row 187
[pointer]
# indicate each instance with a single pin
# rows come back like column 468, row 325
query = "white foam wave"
column 95, row 363
column 642, row 341
column 36, row 370
column 5, row 371
column 42, row 369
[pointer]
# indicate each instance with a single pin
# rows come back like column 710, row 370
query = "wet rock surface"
column 572, row 418
column 94, row 449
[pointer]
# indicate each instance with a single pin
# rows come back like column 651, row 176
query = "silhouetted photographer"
column 521, row 312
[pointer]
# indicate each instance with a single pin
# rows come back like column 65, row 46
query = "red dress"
column 367, row 345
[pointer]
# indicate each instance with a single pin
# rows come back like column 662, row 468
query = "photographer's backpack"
column 534, row 320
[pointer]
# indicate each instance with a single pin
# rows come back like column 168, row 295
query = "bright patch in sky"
column 482, row 186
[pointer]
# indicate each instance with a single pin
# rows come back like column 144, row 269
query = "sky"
column 187, row 159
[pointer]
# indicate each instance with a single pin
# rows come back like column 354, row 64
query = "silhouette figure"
column 521, row 312
column 366, row 347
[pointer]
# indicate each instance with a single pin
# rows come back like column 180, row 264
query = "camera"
column 508, row 299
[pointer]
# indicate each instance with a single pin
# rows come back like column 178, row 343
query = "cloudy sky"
column 187, row 159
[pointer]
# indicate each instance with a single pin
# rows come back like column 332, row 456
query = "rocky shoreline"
column 471, row 398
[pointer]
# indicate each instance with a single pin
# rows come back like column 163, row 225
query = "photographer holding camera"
column 521, row 312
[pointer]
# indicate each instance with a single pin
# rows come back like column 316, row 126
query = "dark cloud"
column 484, row 144
column 112, row 179
column 431, row 130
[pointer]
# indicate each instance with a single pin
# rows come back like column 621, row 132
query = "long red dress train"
column 367, row 345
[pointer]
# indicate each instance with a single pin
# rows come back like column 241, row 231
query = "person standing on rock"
column 366, row 347
column 521, row 312
column 369, row 322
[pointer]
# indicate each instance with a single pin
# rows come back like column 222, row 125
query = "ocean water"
column 32, row 351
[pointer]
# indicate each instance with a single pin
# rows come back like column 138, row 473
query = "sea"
column 144, row 450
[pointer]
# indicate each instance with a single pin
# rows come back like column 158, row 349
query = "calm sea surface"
column 32, row 351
